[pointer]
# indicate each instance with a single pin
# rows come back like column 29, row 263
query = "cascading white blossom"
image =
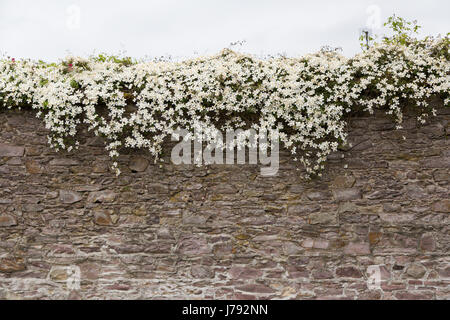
column 305, row 99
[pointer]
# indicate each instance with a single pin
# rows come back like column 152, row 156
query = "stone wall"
column 223, row 232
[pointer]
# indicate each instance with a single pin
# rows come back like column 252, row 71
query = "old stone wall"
column 223, row 232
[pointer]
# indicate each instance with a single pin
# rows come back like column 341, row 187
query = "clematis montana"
column 304, row 99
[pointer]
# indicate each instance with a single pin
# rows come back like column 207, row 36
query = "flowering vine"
column 302, row 100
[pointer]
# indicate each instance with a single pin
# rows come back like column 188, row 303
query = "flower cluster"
column 301, row 100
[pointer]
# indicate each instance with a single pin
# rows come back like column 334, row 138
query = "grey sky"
column 46, row 29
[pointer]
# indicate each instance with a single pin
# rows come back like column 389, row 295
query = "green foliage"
column 74, row 84
column 404, row 31
column 125, row 61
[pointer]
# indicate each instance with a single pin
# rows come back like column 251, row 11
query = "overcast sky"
column 51, row 29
